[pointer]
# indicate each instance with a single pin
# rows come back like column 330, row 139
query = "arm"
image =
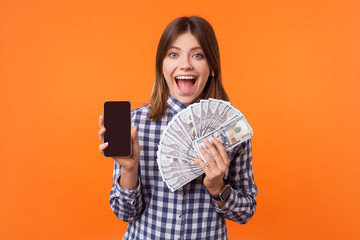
column 126, row 204
column 241, row 204
column 125, row 196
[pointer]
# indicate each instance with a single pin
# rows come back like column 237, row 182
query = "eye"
column 173, row 55
column 198, row 56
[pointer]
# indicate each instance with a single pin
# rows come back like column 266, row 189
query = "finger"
column 222, row 151
column 102, row 147
column 101, row 134
column 220, row 162
column 215, row 154
column 135, row 143
column 101, row 121
column 203, row 166
column 208, row 158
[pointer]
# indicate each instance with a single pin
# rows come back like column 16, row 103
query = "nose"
column 185, row 63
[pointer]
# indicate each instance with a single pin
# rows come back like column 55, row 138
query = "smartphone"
column 117, row 122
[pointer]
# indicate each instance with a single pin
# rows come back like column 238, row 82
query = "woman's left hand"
column 218, row 164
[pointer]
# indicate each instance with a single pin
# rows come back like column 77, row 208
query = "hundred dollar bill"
column 177, row 172
column 180, row 128
column 169, row 142
column 172, row 152
column 177, row 180
column 176, row 183
column 185, row 119
column 196, row 117
column 228, row 114
column 212, row 106
column 229, row 135
column 178, row 134
column 223, row 105
column 204, row 106
column 168, row 171
column 171, row 164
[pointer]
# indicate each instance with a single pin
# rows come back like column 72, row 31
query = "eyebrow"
column 192, row 49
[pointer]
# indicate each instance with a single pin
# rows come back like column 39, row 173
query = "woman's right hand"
column 128, row 164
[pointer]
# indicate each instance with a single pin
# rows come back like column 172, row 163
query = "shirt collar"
column 174, row 105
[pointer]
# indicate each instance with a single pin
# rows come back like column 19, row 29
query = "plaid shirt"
column 154, row 212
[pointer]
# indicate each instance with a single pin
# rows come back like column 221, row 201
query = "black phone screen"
column 117, row 122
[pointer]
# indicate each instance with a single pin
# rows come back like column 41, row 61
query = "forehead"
column 185, row 41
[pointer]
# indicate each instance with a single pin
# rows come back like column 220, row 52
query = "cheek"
column 203, row 69
column 168, row 67
column 167, row 76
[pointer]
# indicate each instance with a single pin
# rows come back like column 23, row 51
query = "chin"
column 187, row 100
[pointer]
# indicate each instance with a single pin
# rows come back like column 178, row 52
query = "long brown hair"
column 205, row 35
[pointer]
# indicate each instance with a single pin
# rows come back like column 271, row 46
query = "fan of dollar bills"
column 188, row 130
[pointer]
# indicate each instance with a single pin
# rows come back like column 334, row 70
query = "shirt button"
column 179, row 239
column 182, row 193
column 132, row 195
column 180, row 217
column 132, row 207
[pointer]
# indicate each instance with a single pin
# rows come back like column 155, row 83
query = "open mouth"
column 185, row 82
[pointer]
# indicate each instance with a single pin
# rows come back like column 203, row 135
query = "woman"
column 187, row 70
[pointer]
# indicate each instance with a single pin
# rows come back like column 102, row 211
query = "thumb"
column 135, row 143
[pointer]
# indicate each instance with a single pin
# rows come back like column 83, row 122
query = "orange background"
column 292, row 67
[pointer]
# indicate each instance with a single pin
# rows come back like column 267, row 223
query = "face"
column 185, row 69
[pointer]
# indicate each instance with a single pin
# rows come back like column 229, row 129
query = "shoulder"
column 243, row 148
column 140, row 112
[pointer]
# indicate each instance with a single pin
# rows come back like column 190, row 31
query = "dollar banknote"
column 203, row 107
column 196, row 117
column 187, row 122
column 188, row 130
column 229, row 135
column 176, row 172
column 163, row 149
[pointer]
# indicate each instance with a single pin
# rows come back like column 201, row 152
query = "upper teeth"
column 185, row 77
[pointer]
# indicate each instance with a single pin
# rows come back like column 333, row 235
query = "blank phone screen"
column 117, row 122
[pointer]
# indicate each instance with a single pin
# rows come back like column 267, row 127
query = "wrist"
column 129, row 171
column 223, row 195
column 217, row 189
column 128, row 179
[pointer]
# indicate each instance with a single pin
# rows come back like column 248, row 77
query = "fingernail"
column 201, row 148
column 107, row 143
